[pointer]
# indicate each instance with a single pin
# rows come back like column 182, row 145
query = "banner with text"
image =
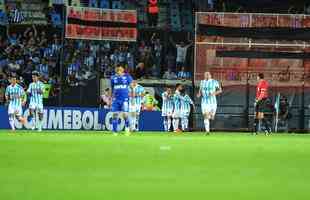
column 56, row 118
column 101, row 24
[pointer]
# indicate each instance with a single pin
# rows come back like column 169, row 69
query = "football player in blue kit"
column 120, row 84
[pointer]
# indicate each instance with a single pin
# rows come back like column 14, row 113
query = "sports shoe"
column 127, row 132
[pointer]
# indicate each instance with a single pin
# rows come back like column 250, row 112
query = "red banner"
column 101, row 24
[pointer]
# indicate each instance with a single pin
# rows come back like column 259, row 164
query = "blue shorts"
column 120, row 105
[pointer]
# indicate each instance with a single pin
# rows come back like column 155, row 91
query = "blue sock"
column 30, row 117
column 114, row 124
column 127, row 124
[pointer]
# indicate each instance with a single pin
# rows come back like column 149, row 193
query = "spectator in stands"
column 181, row 53
column 140, row 71
column 169, row 74
column 153, row 13
column 157, row 54
column 184, row 75
column 106, row 99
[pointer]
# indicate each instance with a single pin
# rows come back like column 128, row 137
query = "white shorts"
column 177, row 114
column 208, row 108
column 134, row 108
column 36, row 107
column 185, row 114
column 15, row 110
column 166, row 112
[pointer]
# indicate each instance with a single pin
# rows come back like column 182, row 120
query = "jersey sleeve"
column 29, row 88
column 7, row 91
column 129, row 79
column 217, row 84
column 164, row 96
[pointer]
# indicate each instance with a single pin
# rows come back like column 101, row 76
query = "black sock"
column 256, row 122
column 266, row 125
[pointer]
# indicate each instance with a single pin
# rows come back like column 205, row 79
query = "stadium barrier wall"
column 74, row 118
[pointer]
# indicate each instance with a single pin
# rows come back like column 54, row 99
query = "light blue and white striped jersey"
column 167, row 103
column 207, row 87
column 16, row 94
column 186, row 103
column 36, row 92
column 177, row 99
column 138, row 92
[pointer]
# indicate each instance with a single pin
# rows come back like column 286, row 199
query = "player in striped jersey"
column 35, row 91
column 209, row 89
column 167, row 108
column 136, row 93
column 16, row 97
column 177, row 99
column 186, row 103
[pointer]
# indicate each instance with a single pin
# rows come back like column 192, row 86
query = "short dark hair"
column 178, row 85
column 261, row 75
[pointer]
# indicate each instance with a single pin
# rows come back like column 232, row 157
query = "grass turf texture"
column 88, row 165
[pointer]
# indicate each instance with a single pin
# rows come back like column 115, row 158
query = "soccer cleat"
column 115, row 134
column 39, row 130
column 127, row 132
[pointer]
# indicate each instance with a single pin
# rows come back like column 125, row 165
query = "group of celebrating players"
column 176, row 104
column 127, row 101
column 17, row 98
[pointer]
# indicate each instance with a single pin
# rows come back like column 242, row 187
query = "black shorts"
column 262, row 105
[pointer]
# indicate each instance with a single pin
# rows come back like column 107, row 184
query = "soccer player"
column 261, row 102
column 186, row 103
column 35, row 91
column 209, row 89
column 16, row 97
column 136, row 92
column 177, row 99
column 120, row 84
column 167, row 108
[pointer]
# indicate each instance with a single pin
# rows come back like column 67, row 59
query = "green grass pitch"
column 96, row 165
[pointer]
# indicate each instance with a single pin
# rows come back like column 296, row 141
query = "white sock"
column 132, row 122
column 137, row 123
column 207, row 125
column 186, row 123
column 12, row 123
column 169, row 123
column 183, row 120
column 39, row 124
column 166, row 124
column 175, row 123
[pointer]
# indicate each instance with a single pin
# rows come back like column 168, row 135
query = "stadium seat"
column 93, row 3
column 116, row 4
column 56, row 19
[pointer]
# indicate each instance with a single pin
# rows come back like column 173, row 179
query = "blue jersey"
column 120, row 86
column 15, row 94
column 207, row 87
column 137, row 93
column 36, row 92
column 186, row 103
